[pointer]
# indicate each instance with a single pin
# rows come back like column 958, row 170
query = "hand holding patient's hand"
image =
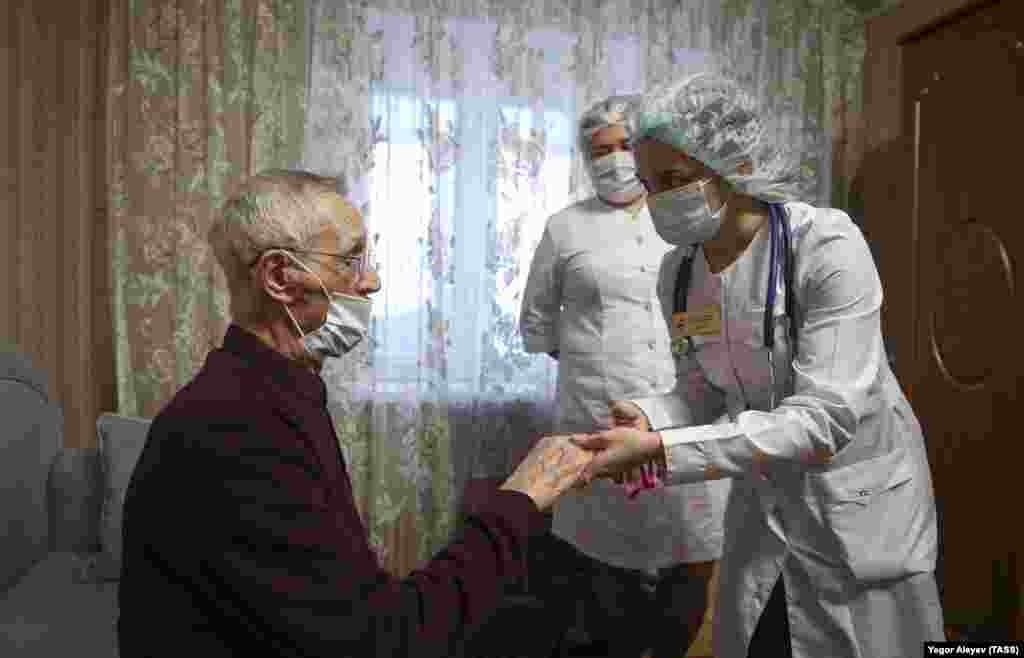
column 553, row 466
column 619, row 450
column 624, row 413
column 627, row 414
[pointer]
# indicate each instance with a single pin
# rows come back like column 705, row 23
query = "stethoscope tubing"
column 780, row 263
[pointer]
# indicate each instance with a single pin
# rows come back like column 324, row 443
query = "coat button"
column 643, row 268
column 651, row 344
column 647, row 306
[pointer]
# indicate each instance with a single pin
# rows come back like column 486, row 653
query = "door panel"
column 964, row 88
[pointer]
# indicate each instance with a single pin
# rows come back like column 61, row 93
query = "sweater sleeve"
column 294, row 564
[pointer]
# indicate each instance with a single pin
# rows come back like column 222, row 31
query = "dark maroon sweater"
column 241, row 535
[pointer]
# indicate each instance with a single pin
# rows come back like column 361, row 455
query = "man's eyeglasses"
column 356, row 264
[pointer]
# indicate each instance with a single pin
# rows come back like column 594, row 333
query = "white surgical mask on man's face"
column 683, row 216
column 346, row 325
column 615, row 178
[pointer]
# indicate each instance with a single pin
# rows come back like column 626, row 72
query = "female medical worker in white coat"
column 591, row 302
column 830, row 528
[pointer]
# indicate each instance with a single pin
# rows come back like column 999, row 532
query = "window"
column 481, row 176
column 468, row 164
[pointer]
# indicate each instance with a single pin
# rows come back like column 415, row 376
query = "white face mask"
column 347, row 323
column 683, row 217
column 615, row 178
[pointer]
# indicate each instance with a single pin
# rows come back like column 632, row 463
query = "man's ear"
column 278, row 279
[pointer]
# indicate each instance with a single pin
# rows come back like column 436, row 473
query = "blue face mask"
column 683, row 217
column 346, row 325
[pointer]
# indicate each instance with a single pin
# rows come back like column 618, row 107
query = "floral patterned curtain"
column 201, row 95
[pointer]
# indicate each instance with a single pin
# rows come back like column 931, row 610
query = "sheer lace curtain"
column 452, row 123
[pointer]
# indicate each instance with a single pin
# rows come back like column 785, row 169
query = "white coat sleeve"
column 542, row 298
column 839, row 356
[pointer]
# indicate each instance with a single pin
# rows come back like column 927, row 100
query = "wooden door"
column 965, row 107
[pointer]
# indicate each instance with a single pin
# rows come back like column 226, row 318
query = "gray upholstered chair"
column 31, row 435
column 61, row 510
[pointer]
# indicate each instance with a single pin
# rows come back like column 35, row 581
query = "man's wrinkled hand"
column 552, row 467
column 619, row 450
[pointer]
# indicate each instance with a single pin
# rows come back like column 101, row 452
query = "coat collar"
column 281, row 372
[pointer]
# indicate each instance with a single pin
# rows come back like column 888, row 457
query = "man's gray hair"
column 276, row 208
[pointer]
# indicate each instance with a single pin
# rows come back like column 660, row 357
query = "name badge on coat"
column 703, row 321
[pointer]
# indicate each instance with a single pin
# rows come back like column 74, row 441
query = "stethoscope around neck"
column 780, row 264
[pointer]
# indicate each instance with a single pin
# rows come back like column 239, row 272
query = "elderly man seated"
column 241, row 535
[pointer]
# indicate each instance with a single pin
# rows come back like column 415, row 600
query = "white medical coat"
column 856, row 538
column 591, row 294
